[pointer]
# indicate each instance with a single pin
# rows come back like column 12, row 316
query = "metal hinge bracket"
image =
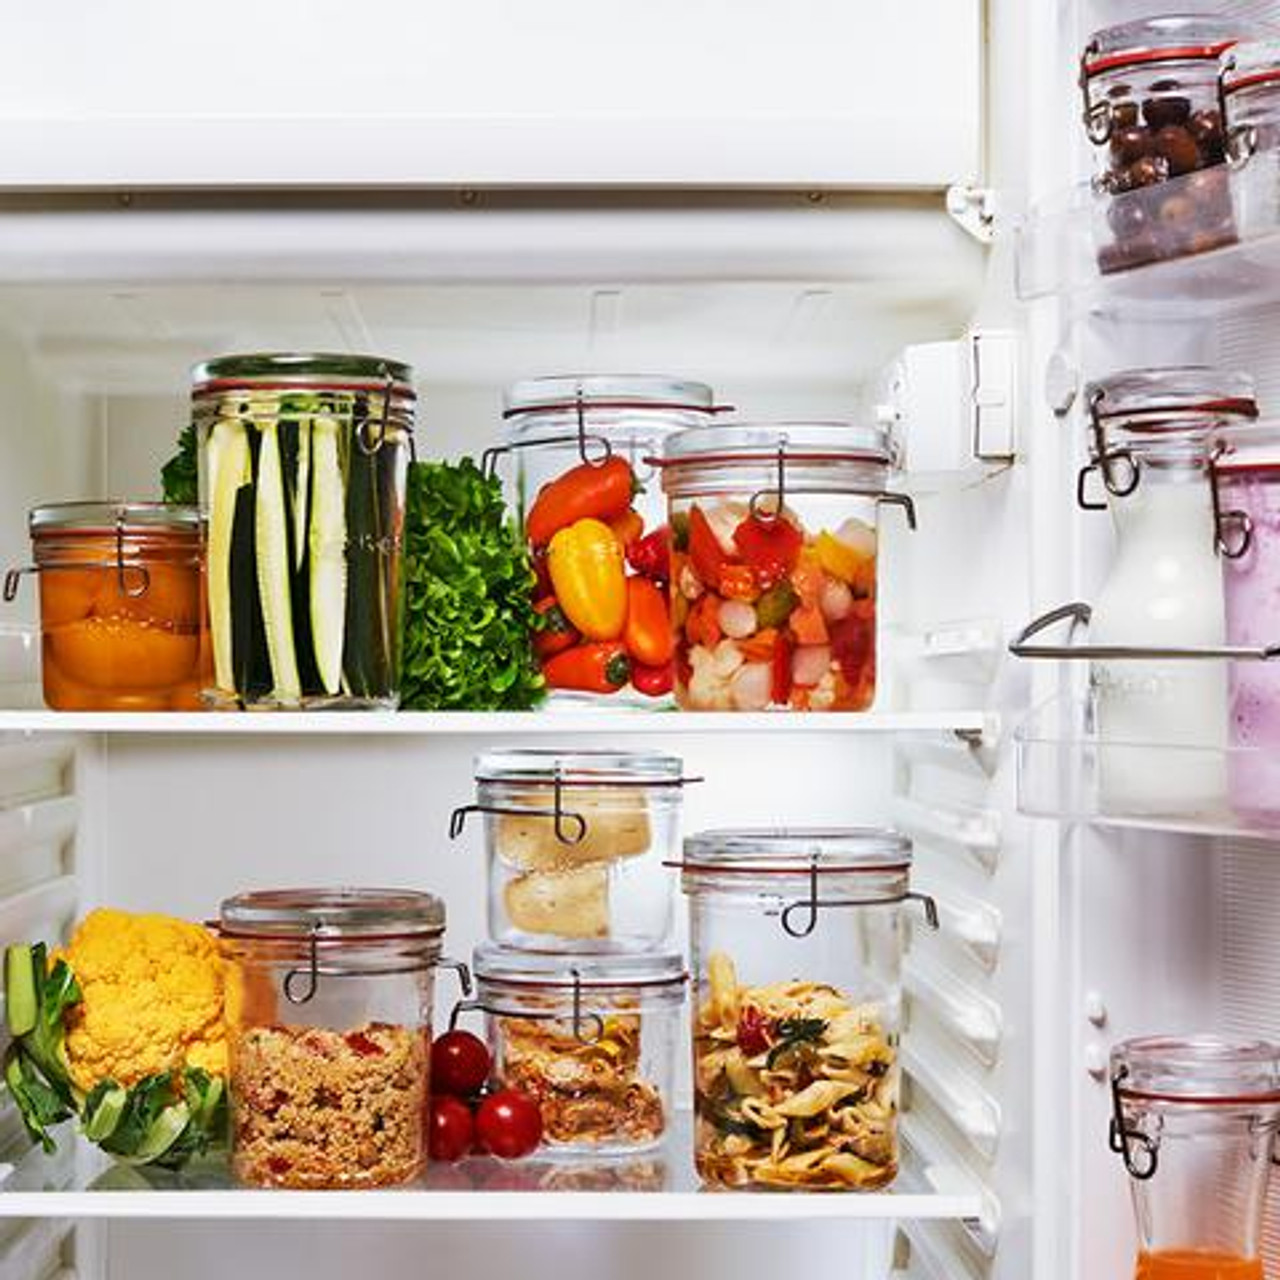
column 975, row 209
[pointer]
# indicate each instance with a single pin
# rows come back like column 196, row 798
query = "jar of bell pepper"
column 594, row 517
column 774, row 554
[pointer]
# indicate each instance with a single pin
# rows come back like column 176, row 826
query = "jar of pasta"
column 797, row 940
column 591, row 1039
column 578, row 844
column 329, row 999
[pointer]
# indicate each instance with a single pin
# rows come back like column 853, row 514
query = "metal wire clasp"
column 1233, row 529
column 812, row 903
column 560, row 816
column 580, row 1020
column 1123, row 1139
column 1098, row 120
column 311, row 973
column 141, row 581
column 489, row 458
column 1104, row 460
column 776, row 497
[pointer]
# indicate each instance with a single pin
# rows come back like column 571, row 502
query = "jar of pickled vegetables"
column 1153, row 116
column 595, row 521
column 797, row 940
column 774, row 582
column 303, row 462
column 329, row 999
column 121, row 605
column 578, row 844
column 1195, row 1122
column 592, row 1039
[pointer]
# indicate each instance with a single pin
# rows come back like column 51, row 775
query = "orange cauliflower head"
column 154, row 990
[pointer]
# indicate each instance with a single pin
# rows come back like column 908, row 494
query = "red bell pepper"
column 596, row 490
column 653, row 682
column 557, row 633
column 781, row 692
column 853, row 641
column 770, row 547
column 590, row 668
column 650, row 556
column 705, row 552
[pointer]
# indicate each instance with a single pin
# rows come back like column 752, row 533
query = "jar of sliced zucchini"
column 303, row 460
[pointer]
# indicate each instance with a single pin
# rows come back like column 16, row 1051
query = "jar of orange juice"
column 121, row 605
column 1195, row 1120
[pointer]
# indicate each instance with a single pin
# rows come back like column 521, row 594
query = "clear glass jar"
column 1195, row 1120
column 775, row 609
column 577, row 844
column 583, row 485
column 1150, row 440
column 797, row 940
column 303, row 463
column 122, row 615
column 1152, row 113
column 591, row 1038
column 1247, row 476
column 1251, row 114
column 329, row 999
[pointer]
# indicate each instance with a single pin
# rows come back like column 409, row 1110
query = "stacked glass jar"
column 579, row 985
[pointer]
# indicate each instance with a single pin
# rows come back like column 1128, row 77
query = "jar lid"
column 607, row 391
column 1201, row 1070
column 305, row 371
column 580, row 768
column 498, row 964
column 336, row 915
column 799, row 441
column 1173, row 398
column 1251, row 63
column 110, row 515
column 797, row 851
column 1173, row 37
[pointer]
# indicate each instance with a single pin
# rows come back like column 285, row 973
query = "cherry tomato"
column 450, row 1130
column 508, row 1124
column 459, row 1063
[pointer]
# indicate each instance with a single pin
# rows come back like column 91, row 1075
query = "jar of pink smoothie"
column 1247, row 477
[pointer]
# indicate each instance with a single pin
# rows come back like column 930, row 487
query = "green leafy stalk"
column 469, row 591
column 179, row 476
column 793, row 1033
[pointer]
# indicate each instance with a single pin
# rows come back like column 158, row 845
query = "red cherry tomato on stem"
column 508, row 1124
column 460, row 1063
column 450, row 1130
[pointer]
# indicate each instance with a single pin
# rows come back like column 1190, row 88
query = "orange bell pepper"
column 702, row 626
column 648, row 633
column 628, row 527
column 807, row 625
column 738, row 582
column 589, row 668
column 589, row 579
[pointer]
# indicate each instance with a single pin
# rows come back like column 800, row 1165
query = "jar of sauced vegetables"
column 121, row 605
column 797, row 941
column 303, row 463
column 594, row 517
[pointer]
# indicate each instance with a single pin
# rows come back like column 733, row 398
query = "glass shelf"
column 1063, row 773
column 1063, row 240
column 80, row 1182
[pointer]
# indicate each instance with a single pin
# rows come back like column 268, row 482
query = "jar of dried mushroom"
column 576, row 845
column 591, row 1038
column 329, row 999
column 797, row 940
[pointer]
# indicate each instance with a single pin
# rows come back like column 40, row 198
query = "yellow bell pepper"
column 847, row 563
column 589, row 576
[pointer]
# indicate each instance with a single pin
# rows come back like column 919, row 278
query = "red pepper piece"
column 770, row 547
column 705, row 553
column 853, row 642
column 653, row 682
column 781, row 692
column 590, row 668
column 650, row 556
column 360, row 1043
column 753, row 1031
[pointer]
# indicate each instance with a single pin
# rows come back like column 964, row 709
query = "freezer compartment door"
column 423, row 93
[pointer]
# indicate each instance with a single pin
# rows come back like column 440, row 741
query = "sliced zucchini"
column 272, row 545
column 301, row 490
column 228, row 456
column 328, row 546
column 21, row 1003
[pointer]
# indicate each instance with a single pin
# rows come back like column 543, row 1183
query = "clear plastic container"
column 329, row 999
column 1152, row 114
column 1247, row 476
column 303, row 463
column 797, row 941
column 576, row 843
column 122, row 615
column 1150, row 438
column 774, row 586
column 591, row 1038
column 1251, row 114
column 1195, row 1121
column 590, row 507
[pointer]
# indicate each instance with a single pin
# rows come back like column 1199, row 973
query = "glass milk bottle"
column 1150, row 442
